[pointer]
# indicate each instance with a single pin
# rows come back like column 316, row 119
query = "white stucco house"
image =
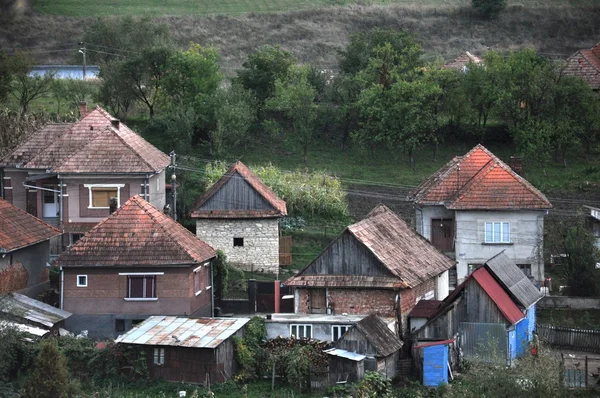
column 240, row 215
column 475, row 207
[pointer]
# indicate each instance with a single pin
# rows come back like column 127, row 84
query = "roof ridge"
column 482, row 172
column 116, row 132
column 31, row 216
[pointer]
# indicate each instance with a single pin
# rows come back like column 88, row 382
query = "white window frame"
column 339, row 329
column 159, row 356
column 197, row 275
column 82, row 284
column 502, row 227
column 90, row 186
column 301, row 326
column 154, row 274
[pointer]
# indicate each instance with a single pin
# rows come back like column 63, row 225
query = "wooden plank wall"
column 236, row 194
column 570, row 338
column 285, row 250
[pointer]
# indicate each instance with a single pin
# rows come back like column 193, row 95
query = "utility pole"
column 82, row 51
column 174, row 185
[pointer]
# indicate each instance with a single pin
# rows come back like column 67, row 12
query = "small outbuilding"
column 344, row 366
column 433, row 362
column 31, row 316
column 373, row 338
column 188, row 350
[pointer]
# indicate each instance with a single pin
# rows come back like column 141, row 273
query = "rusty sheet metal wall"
column 484, row 342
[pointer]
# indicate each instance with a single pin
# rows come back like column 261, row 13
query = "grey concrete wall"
column 261, row 241
column 100, row 326
column 562, row 302
column 320, row 331
column 33, row 258
column 156, row 186
column 428, row 213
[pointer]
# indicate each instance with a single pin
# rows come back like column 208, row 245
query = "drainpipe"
column 60, row 208
column 62, row 288
column 2, row 184
column 277, row 296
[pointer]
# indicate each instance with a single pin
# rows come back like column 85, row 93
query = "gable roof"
column 514, row 280
column 410, row 258
column 507, row 307
column 379, row 335
column 240, row 170
column 479, row 180
column 97, row 143
column 19, row 229
column 462, row 61
column 586, row 65
column 137, row 234
column 425, row 308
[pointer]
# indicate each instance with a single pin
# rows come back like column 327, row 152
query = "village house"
column 492, row 313
column 461, row 63
column 378, row 265
column 475, row 207
column 135, row 263
column 240, row 215
column 586, row 65
column 24, row 251
column 188, row 350
column 66, row 173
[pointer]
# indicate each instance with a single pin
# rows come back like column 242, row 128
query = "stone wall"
column 564, row 302
column 260, row 250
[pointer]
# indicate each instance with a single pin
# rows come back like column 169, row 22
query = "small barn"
column 188, row 350
column 373, row 338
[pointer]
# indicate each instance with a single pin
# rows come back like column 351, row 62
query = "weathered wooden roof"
column 513, row 279
column 20, row 229
column 137, row 234
column 239, row 209
column 183, row 332
column 379, row 335
column 425, row 309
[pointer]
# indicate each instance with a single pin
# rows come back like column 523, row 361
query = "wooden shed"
column 345, row 367
column 188, row 350
column 372, row 338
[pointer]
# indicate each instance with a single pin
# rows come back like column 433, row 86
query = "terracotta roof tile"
column 585, row 64
column 406, row 254
column 19, row 229
column 463, row 60
column 479, row 180
column 137, row 235
column 235, row 171
column 91, row 145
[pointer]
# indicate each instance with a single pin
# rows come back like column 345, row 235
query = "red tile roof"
column 585, row 64
column 240, row 170
column 410, row 258
column 425, row 308
column 19, row 229
column 479, row 180
column 462, row 61
column 137, row 235
column 493, row 289
column 91, row 145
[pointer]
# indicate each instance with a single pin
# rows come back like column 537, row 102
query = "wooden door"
column 442, row 234
column 318, row 301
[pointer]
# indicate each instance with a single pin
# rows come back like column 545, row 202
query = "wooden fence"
column 570, row 338
column 285, row 250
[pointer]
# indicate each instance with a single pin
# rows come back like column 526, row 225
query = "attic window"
column 99, row 195
column 238, row 242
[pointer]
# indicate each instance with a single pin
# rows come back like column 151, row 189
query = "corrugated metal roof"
column 505, row 304
column 513, row 279
column 345, row 354
column 35, row 311
column 25, row 328
column 183, row 332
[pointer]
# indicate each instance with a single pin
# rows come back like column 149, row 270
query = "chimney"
column 82, row 109
column 115, row 123
column 516, row 163
column 112, row 205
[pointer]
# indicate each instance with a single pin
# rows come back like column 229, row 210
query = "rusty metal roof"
column 35, row 311
column 183, row 332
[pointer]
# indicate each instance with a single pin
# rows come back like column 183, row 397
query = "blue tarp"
column 435, row 365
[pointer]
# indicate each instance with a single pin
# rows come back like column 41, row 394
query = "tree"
column 113, row 93
column 23, row 87
column 5, row 76
column 72, row 91
column 489, row 8
column 263, row 68
column 294, row 98
column 49, row 377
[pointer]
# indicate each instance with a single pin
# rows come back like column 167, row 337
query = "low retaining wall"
column 576, row 303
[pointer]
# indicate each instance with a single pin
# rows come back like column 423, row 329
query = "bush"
column 309, row 195
column 49, row 377
column 489, row 8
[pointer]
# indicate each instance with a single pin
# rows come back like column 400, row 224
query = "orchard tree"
column 23, row 87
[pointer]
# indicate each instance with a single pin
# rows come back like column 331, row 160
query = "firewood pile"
column 280, row 346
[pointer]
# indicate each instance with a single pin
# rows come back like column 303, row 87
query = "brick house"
column 66, row 173
column 586, row 65
column 378, row 265
column 24, row 251
column 240, row 215
column 135, row 263
column 475, row 207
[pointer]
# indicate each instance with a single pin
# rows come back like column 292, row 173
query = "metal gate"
column 483, row 342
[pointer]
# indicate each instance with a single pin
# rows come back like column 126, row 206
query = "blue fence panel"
column 435, row 365
column 512, row 344
column 522, row 339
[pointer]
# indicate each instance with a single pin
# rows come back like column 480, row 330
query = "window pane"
column 308, row 332
column 150, row 288
column 335, row 333
column 197, row 281
column 101, row 196
column 488, row 232
column 496, row 232
column 136, row 287
column 505, row 232
column 294, row 331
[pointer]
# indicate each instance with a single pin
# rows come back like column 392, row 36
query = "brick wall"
column 409, row 296
column 260, row 250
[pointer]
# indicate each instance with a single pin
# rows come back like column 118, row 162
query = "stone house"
column 378, row 265
column 135, row 263
column 586, row 65
column 475, row 207
column 24, row 251
column 66, row 173
column 240, row 215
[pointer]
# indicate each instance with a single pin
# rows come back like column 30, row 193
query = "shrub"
column 49, row 377
column 374, row 385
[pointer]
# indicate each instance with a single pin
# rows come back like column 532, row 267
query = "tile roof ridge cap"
column 117, row 132
column 524, row 182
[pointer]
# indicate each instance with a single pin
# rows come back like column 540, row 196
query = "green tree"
column 263, row 68
column 49, row 377
column 5, row 76
column 489, row 8
column 25, row 88
column 113, row 93
column 294, row 98
column 72, row 91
